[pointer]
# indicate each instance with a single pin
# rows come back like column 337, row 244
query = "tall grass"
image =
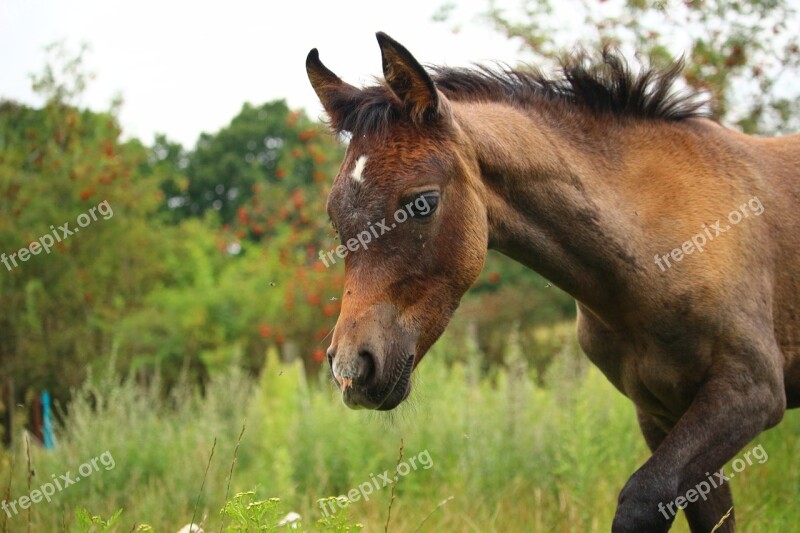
column 512, row 455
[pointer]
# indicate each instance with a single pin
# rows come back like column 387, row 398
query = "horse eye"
column 424, row 204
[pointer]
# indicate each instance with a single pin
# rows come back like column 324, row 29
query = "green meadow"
column 507, row 452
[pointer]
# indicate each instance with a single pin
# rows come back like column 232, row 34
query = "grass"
column 507, row 455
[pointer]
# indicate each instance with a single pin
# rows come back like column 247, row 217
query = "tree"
column 253, row 279
column 264, row 146
column 74, row 197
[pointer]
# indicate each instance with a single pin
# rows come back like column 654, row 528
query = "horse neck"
column 550, row 197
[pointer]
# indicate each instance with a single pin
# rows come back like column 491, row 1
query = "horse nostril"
column 331, row 355
column 366, row 366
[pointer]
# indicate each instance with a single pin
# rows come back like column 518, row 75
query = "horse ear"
column 407, row 79
column 337, row 97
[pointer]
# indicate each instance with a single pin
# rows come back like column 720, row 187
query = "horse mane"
column 604, row 87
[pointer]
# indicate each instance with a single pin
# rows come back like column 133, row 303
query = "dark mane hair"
column 607, row 86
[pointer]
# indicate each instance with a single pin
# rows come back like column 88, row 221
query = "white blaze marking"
column 359, row 169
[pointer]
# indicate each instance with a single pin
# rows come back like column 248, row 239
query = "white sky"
column 187, row 67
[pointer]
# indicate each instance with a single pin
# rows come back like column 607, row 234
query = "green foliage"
column 338, row 522
column 248, row 514
column 267, row 147
column 60, row 306
column 249, row 201
column 95, row 524
column 63, row 79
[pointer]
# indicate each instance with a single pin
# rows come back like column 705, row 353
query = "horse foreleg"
column 738, row 402
column 703, row 514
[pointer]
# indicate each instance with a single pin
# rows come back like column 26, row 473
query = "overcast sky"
column 187, row 67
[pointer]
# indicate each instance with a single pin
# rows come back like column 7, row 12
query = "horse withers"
column 616, row 188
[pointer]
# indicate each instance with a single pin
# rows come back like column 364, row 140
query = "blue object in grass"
column 47, row 422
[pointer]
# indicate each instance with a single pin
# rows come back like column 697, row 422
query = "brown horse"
column 679, row 239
